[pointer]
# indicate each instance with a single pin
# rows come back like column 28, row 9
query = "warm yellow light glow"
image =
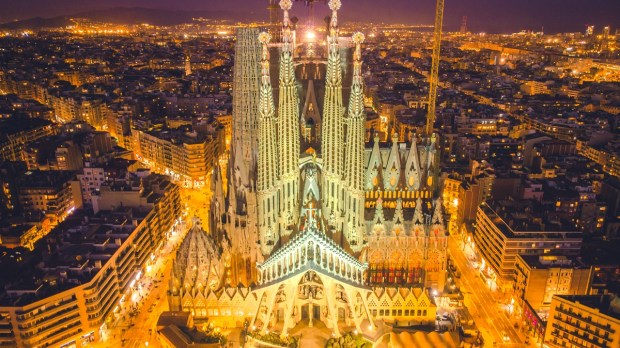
column 310, row 35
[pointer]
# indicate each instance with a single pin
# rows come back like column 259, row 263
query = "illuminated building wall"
column 507, row 228
column 187, row 158
column 539, row 278
column 583, row 321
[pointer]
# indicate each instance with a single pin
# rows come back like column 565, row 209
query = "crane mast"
column 433, row 77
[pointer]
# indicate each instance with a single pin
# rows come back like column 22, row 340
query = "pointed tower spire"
column 392, row 169
column 438, row 213
column 267, row 148
column 288, row 119
column 355, row 150
column 332, row 136
column 379, row 217
column 374, row 171
column 412, row 167
column 267, row 152
column 418, row 215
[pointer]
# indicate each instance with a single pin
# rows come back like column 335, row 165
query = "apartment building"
column 16, row 133
column 583, row 321
column 539, row 278
column 507, row 228
column 88, row 263
column 184, row 154
column 51, row 194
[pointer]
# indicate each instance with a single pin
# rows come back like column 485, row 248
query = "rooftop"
column 45, row 179
column 14, row 125
column 527, row 219
column 608, row 305
column 73, row 253
column 552, row 261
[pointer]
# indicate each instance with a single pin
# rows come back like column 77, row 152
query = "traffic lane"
column 467, row 274
column 146, row 320
column 144, row 324
column 471, row 273
column 488, row 306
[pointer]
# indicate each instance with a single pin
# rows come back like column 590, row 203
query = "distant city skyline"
column 483, row 15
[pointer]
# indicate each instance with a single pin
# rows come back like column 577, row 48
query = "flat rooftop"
column 608, row 305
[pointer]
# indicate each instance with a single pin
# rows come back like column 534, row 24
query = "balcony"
column 585, row 320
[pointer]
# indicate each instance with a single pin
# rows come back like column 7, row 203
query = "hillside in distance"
column 130, row 15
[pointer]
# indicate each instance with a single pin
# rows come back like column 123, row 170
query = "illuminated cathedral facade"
column 316, row 224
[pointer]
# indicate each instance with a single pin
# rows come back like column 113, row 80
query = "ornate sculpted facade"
column 321, row 227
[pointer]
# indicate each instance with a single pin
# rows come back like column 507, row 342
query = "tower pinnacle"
column 267, row 154
column 288, row 122
column 332, row 137
column 354, row 156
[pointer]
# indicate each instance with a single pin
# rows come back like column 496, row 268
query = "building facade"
column 48, row 194
column 24, row 132
column 583, row 321
column 186, row 155
column 505, row 229
column 325, row 227
column 538, row 278
column 91, row 263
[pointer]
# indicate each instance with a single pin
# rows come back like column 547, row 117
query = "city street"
column 140, row 308
column 490, row 315
column 137, row 313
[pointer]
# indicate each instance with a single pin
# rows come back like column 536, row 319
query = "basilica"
column 310, row 223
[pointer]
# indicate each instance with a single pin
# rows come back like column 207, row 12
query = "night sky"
column 483, row 15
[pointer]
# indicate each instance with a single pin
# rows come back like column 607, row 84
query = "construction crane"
column 433, row 77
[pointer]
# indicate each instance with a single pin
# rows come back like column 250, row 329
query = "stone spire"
column 267, row 147
column 438, row 213
column 288, row 119
column 333, row 110
column 355, row 150
column 246, row 82
column 267, row 153
column 418, row 215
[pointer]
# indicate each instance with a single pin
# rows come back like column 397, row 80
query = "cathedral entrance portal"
column 341, row 315
column 305, row 312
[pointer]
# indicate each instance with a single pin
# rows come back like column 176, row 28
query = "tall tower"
column 245, row 107
column 288, row 119
column 434, row 75
column 241, row 196
column 266, row 189
column 332, row 132
column 274, row 18
column 604, row 46
column 188, row 65
column 355, row 153
column 464, row 25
